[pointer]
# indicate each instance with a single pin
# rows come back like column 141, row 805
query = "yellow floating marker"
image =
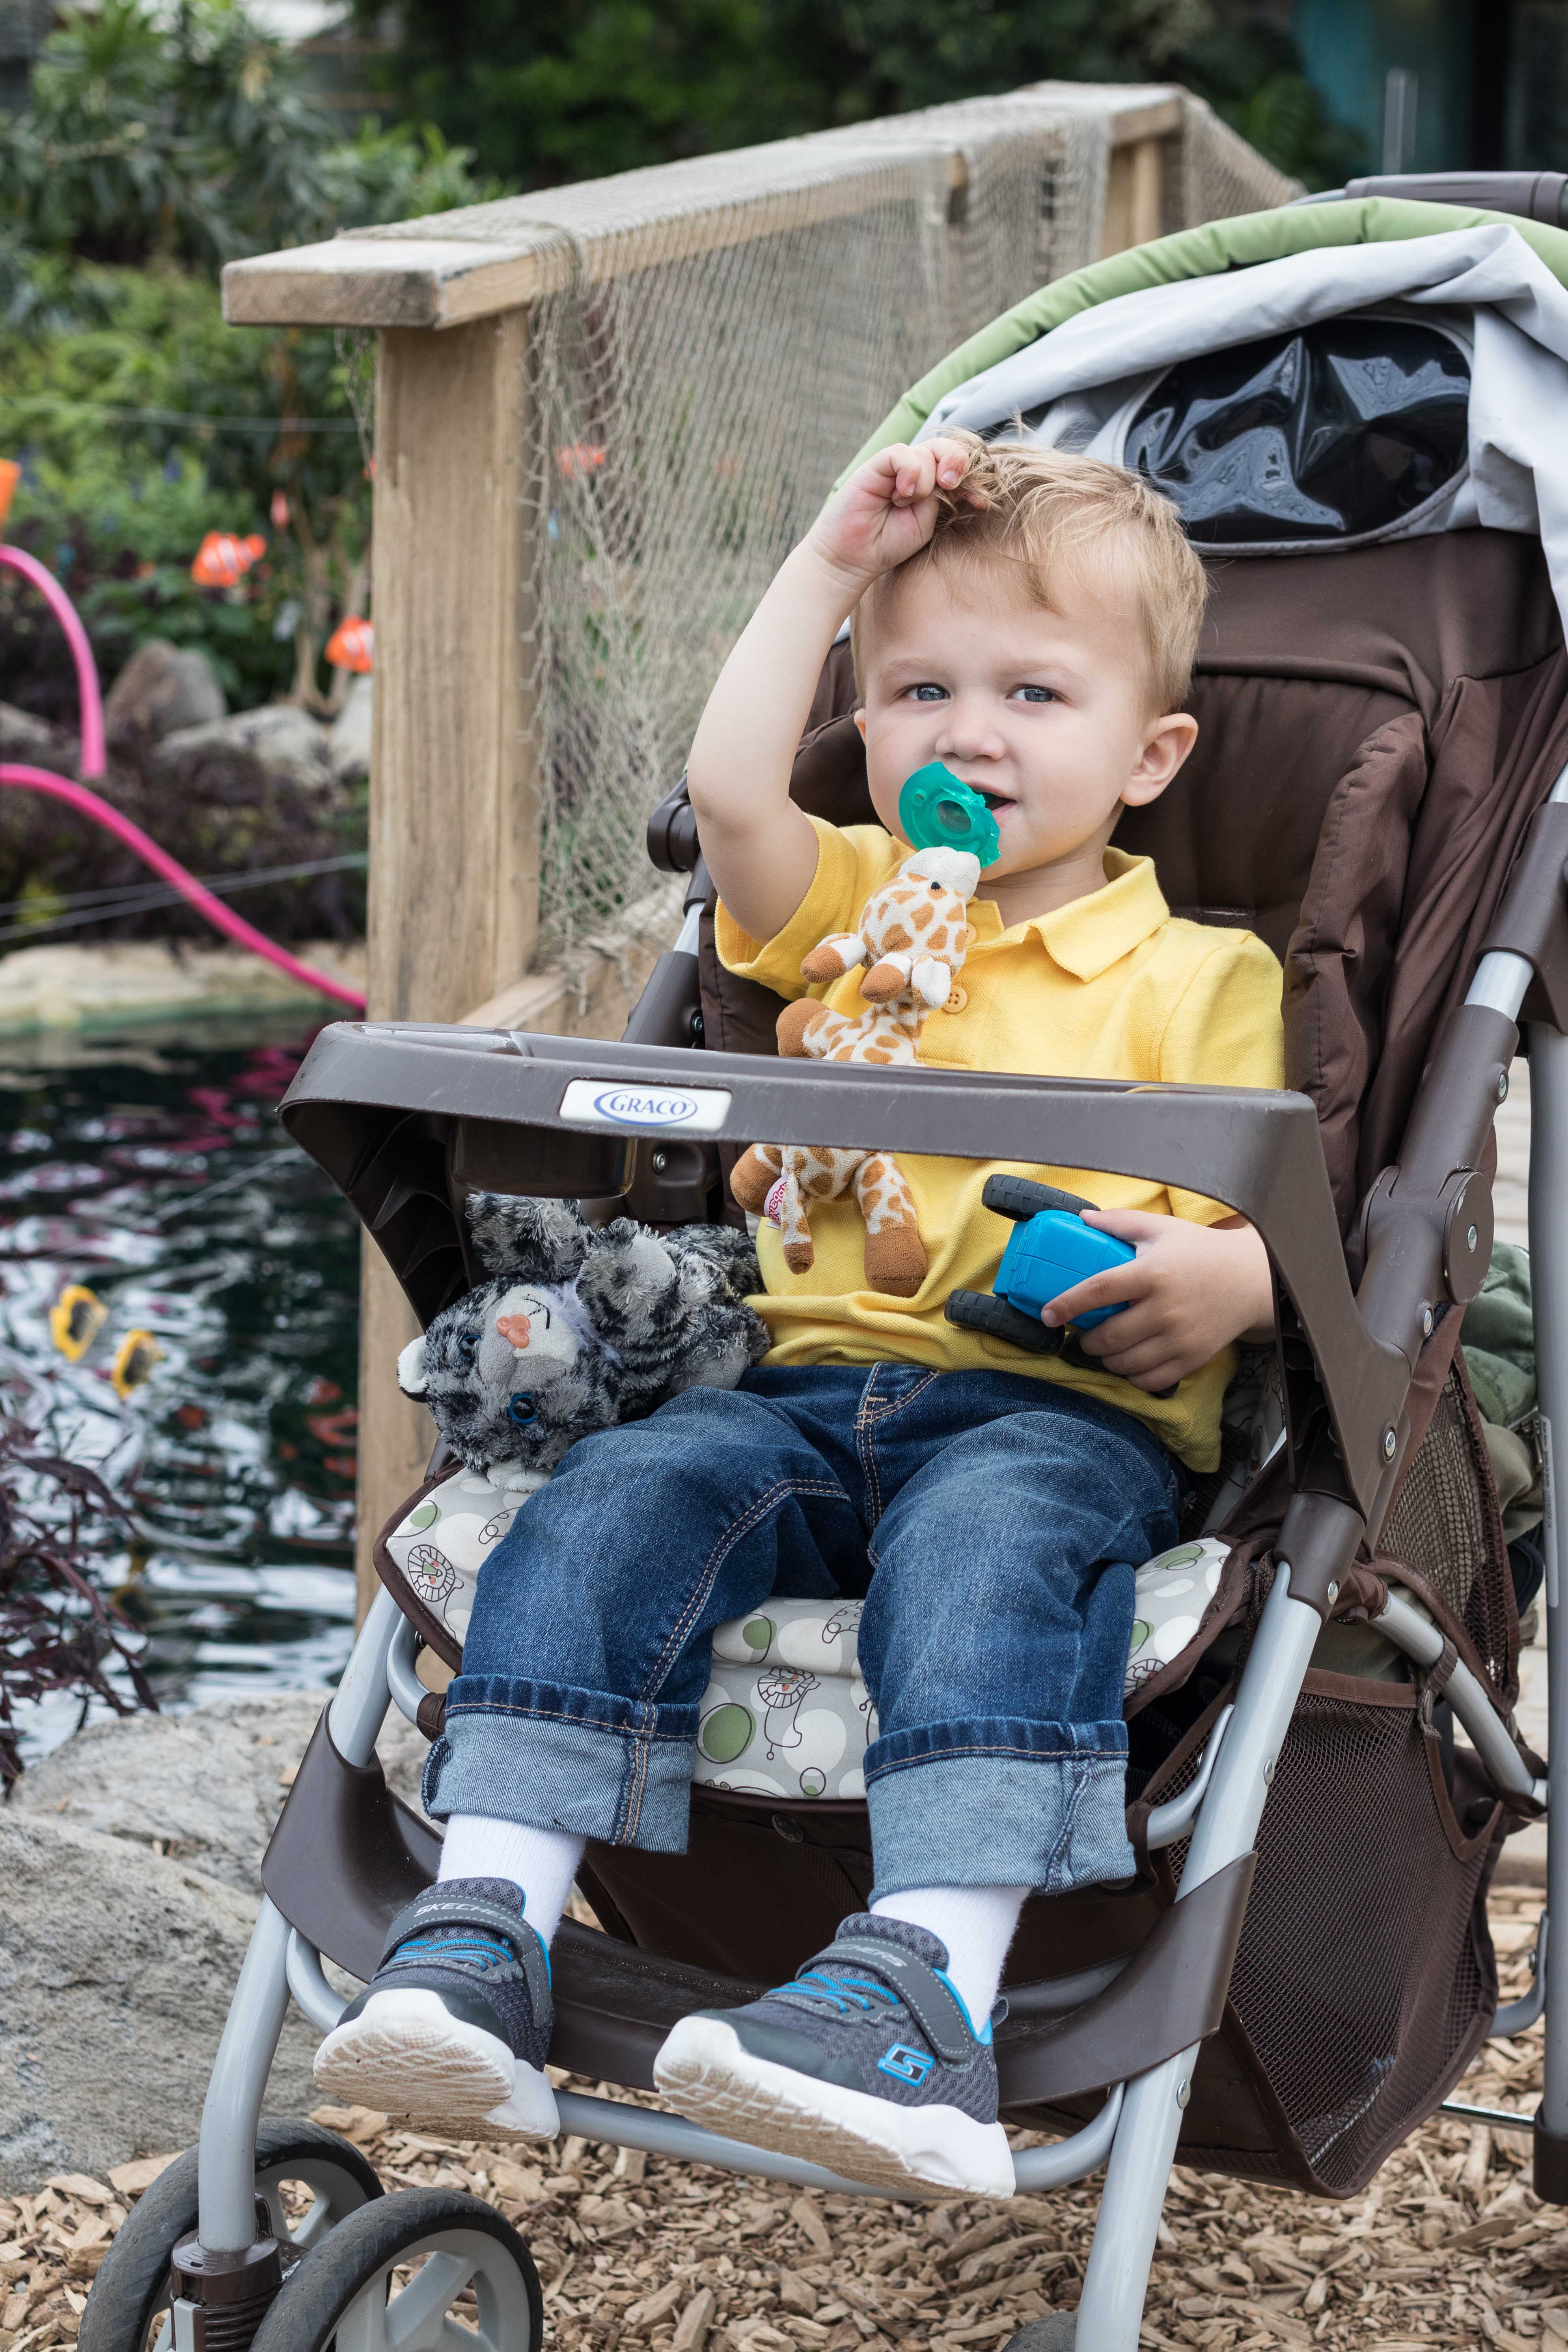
column 134, row 1361
column 76, row 1319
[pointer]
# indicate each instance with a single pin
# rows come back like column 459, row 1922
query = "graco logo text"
column 633, row 1107
column 686, row 1110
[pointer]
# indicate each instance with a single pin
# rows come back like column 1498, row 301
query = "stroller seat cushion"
column 786, row 1711
column 443, row 1541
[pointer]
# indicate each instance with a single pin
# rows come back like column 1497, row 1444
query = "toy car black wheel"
column 427, row 2266
column 128, row 2309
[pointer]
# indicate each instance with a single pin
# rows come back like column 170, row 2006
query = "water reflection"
column 151, row 1168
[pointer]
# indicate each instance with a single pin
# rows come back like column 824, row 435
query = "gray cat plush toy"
column 578, row 1327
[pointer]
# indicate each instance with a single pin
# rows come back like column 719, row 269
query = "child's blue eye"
column 1037, row 694
column 521, row 1410
column 930, row 693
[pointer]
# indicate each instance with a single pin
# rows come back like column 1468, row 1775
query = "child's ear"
column 860, row 723
column 1165, row 748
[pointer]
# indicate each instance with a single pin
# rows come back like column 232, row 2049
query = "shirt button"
column 957, row 999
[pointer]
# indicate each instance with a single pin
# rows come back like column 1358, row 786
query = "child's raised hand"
column 1190, row 1291
column 886, row 512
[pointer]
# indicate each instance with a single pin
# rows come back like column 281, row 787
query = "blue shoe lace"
column 473, row 1949
column 840, row 1991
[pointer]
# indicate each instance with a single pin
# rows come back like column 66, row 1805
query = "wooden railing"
column 456, row 790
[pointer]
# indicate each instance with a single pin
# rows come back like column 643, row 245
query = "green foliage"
column 153, row 150
column 197, row 141
column 597, row 86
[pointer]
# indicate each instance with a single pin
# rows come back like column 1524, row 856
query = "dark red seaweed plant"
column 58, row 1632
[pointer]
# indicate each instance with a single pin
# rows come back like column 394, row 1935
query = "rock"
column 207, row 1785
column 286, row 740
column 351, row 731
column 33, row 743
column 116, row 1969
column 161, row 689
column 106, row 988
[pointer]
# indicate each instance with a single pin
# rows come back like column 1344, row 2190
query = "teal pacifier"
column 937, row 810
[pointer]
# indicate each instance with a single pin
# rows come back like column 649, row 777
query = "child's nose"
column 969, row 737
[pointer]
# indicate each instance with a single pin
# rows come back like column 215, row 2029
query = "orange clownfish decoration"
column 352, row 643
column 222, row 561
column 579, row 457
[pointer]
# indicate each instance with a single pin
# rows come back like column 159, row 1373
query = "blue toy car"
column 1049, row 1250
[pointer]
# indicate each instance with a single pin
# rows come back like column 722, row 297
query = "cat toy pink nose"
column 513, row 1327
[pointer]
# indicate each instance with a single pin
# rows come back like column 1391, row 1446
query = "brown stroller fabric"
column 1357, row 796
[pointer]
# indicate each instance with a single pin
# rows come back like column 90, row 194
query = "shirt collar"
column 1089, row 934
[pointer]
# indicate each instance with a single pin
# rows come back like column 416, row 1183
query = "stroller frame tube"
column 1549, row 1271
column 231, row 2113
column 226, row 2169
column 1111, row 2310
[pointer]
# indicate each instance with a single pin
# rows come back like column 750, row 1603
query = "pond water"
column 150, row 1169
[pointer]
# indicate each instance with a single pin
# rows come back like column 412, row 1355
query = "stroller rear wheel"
column 394, row 2276
column 128, row 2310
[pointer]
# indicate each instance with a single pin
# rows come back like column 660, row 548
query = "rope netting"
column 711, row 342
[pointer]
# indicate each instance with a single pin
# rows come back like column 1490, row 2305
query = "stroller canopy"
column 1328, row 376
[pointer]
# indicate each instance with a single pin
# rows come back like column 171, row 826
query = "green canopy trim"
column 1237, row 244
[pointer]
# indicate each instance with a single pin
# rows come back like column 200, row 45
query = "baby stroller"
column 1352, row 403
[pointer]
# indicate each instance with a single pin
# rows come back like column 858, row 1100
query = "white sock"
column 975, row 1923
column 543, row 1863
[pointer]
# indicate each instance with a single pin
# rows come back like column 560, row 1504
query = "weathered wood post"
column 1135, row 174
column 454, row 831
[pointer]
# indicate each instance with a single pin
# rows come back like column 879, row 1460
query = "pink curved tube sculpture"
column 92, row 804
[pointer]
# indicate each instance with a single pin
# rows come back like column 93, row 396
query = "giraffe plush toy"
column 913, row 936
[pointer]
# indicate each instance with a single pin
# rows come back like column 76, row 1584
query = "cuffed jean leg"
column 995, row 1642
column 587, row 1654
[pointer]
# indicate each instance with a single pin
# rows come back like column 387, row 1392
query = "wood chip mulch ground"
column 1450, row 2246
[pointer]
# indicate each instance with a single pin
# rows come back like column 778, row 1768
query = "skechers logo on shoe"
column 905, row 2065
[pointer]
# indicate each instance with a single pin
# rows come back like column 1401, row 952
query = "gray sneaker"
column 866, row 2064
column 453, row 2029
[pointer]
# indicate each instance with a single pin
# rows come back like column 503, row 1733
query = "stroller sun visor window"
column 1335, row 431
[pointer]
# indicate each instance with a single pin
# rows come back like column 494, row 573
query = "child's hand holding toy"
column 1189, row 1292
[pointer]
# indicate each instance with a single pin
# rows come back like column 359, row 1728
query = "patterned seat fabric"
column 786, row 1713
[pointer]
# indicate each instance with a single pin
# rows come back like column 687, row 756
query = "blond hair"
column 1066, row 521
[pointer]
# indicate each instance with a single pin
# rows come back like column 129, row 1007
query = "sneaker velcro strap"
column 934, row 2007
column 432, row 1910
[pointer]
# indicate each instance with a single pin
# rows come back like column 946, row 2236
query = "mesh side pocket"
column 1366, row 1978
column 1445, row 1525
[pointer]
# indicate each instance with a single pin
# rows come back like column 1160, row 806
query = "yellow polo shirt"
column 1112, row 986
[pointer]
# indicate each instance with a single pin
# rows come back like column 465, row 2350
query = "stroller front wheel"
column 392, row 2275
column 128, row 2309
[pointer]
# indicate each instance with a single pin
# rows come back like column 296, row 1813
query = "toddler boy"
column 1029, row 618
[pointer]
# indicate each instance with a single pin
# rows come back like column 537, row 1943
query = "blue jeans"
column 993, row 1523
